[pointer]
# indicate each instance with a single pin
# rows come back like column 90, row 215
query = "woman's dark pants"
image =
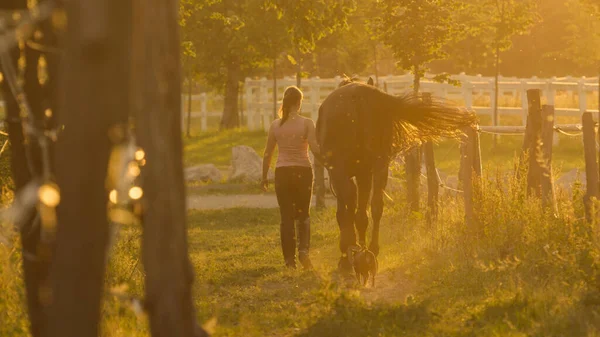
column 293, row 186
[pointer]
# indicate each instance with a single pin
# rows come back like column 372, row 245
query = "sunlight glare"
column 112, row 196
column 136, row 193
column 140, row 154
column 134, row 169
column 49, row 195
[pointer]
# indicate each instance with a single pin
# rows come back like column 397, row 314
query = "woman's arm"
column 271, row 142
column 312, row 140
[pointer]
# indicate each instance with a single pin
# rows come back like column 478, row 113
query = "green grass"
column 226, row 189
column 518, row 272
column 215, row 147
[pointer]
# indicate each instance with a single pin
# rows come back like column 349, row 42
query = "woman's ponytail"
column 291, row 97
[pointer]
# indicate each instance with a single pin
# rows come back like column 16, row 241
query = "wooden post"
column 319, row 185
column 413, row 177
column 467, row 150
column 591, row 167
column 433, row 183
column 534, row 172
column 169, row 274
column 547, row 142
column 477, row 167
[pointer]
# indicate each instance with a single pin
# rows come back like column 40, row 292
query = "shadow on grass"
column 352, row 318
column 234, row 218
column 247, row 276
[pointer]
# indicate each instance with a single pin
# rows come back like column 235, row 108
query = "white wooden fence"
column 258, row 95
column 259, row 107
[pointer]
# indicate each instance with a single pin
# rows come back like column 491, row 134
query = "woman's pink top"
column 292, row 140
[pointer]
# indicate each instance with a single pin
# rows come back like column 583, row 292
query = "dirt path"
column 239, row 200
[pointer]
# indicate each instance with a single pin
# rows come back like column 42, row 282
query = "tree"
column 109, row 66
column 26, row 153
column 348, row 50
column 189, row 59
column 223, row 46
column 490, row 26
column 417, row 32
column 156, row 108
column 307, row 21
column 583, row 42
column 510, row 17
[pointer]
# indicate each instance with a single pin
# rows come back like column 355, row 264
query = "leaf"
column 445, row 78
column 292, row 60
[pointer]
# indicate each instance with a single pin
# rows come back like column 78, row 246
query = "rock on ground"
column 246, row 164
column 204, row 173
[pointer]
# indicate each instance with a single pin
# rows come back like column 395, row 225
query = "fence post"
column 468, row 95
column 591, row 167
column 534, row 124
column 264, row 104
column 547, row 137
column 314, row 98
column 524, row 101
column 250, row 106
column 319, row 184
column 433, row 183
column 413, row 177
column 467, row 159
column 582, row 96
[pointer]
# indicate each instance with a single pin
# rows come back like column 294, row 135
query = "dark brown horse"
column 360, row 129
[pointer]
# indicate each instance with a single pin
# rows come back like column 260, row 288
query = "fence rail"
column 259, row 106
column 257, row 98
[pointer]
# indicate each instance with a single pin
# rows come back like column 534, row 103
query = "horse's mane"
column 347, row 80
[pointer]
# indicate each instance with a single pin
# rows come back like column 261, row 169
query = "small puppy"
column 364, row 263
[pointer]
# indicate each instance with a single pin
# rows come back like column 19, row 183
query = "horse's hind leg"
column 365, row 182
column 380, row 177
column 345, row 190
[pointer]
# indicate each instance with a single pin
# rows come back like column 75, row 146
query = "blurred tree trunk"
column 94, row 98
column 35, row 268
column 189, row 112
column 231, row 118
column 275, row 107
column 156, row 89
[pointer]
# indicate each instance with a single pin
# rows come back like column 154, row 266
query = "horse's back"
column 341, row 123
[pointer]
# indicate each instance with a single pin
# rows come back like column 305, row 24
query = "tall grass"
column 519, row 271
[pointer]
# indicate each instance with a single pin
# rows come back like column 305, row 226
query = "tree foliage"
column 417, row 31
column 582, row 45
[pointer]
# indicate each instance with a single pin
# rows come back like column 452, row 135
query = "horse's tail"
column 417, row 119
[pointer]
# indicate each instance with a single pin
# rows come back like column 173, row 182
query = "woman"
column 292, row 134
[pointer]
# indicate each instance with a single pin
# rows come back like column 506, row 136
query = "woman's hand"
column 264, row 184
